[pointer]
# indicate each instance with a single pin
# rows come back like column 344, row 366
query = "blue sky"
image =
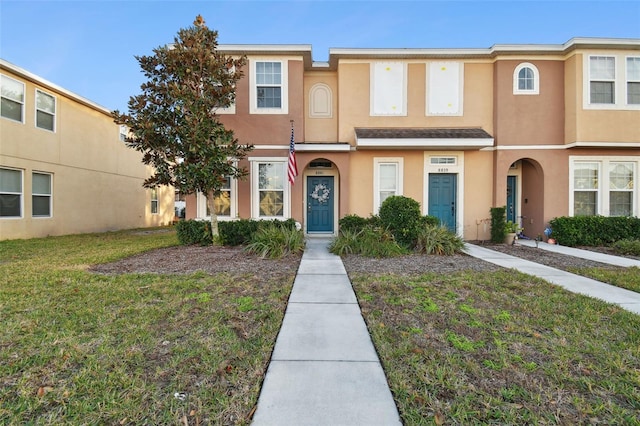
column 88, row 47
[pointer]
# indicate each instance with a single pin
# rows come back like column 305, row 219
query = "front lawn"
column 501, row 348
column 83, row 348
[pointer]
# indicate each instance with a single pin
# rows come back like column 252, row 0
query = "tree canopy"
column 174, row 121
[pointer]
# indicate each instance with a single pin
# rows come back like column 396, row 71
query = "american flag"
column 292, row 167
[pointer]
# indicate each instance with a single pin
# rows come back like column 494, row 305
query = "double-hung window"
column 602, row 80
column 45, row 111
column 387, row 179
column 633, row 80
column 154, row 200
column 10, row 193
column 12, row 98
column 41, row 194
column 269, row 87
column 621, row 189
column 270, row 196
column 585, row 187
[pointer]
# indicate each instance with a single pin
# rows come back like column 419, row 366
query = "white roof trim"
column 323, row 147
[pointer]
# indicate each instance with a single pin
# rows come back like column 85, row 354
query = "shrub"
column 438, row 240
column 241, row 232
column 194, row 232
column 401, row 216
column 275, row 240
column 631, row 247
column 353, row 222
column 498, row 224
column 429, row 221
column 368, row 241
column 237, row 232
column 594, row 230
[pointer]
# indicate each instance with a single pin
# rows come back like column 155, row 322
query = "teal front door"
column 511, row 198
column 320, row 199
column 442, row 198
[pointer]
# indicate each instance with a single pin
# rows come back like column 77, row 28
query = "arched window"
column 320, row 101
column 526, row 80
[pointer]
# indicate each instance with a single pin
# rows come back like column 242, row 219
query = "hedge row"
column 594, row 230
column 232, row 233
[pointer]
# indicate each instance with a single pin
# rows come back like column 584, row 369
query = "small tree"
column 173, row 122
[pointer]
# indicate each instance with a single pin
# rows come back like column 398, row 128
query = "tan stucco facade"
column 96, row 181
column 511, row 125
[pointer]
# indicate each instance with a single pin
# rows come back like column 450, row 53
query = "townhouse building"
column 545, row 130
column 64, row 167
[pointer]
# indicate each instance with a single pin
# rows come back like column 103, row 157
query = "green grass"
column 628, row 278
column 502, row 348
column 83, row 348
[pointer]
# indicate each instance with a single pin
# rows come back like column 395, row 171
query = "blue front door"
column 442, row 198
column 320, row 201
column 511, row 198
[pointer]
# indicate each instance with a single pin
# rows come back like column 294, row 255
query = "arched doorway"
column 525, row 196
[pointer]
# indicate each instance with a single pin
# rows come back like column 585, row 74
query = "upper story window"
column 388, row 88
column 269, row 91
column 45, row 111
column 633, row 80
column 526, row 80
column 10, row 193
column 123, row 132
column 444, row 88
column 12, row 99
column 611, row 82
column 602, row 79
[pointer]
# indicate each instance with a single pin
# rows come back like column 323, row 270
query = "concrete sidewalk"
column 324, row 369
column 627, row 299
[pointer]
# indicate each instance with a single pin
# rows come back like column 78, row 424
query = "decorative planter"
column 510, row 238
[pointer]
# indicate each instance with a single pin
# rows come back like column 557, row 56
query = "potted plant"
column 511, row 229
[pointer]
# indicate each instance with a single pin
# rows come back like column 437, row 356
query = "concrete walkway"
column 627, row 299
column 324, row 369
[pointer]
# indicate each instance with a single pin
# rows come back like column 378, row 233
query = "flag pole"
column 292, row 167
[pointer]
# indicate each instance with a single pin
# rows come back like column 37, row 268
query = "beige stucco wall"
column 321, row 129
column 96, row 179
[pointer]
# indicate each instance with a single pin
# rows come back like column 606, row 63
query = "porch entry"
column 511, row 199
column 320, row 199
column 442, row 198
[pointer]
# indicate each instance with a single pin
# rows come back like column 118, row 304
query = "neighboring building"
column 547, row 130
column 64, row 168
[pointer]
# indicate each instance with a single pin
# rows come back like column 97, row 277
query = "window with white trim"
column 602, row 79
column 526, row 80
column 445, row 93
column 606, row 186
column 11, row 99
column 388, row 88
column 270, row 198
column 387, row 179
column 41, row 194
column 154, row 200
column 633, row 80
column 45, row 111
column 224, row 203
column 10, row 193
column 123, row 132
column 269, row 90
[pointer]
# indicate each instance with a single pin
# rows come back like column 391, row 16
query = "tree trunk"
column 214, row 217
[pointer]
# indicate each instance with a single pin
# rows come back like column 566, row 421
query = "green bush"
column 194, row 232
column 275, row 240
column 401, row 216
column 630, row 247
column 353, row 222
column 498, row 224
column 368, row 241
column 429, row 221
column 241, row 232
column 594, row 230
column 438, row 240
column 237, row 232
